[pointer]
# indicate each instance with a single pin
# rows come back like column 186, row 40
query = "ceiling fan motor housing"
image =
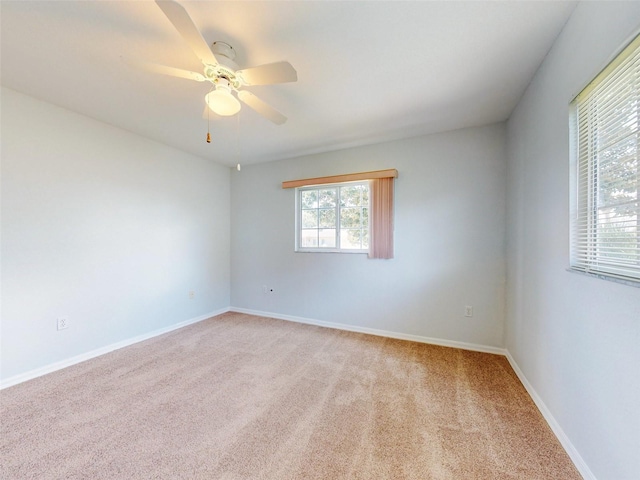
column 226, row 67
column 222, row 48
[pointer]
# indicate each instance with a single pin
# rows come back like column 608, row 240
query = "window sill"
column 350, row 252
column 602, row 276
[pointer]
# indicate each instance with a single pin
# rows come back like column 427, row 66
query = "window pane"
column 618, row 175
column 328, row 197
column 365, row 239
column 617, row 213
column 617, row 237
column 309, row 218
column 619, row 121
column 351, row 196
column 365, row 217
column 328, row 218
column 350, row 217
column 327, row 238
column 309, row 238
column 309, row 199
column 350, row 238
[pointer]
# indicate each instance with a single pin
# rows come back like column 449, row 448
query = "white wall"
column 576, row 338
column 103, row 227
column 449, row 237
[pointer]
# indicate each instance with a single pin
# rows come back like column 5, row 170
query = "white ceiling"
column 367, row 71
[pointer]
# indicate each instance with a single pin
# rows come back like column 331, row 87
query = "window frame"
column 298, row 218
column 588, row 250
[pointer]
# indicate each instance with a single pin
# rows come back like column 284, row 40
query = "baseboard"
column 38, row 372
column 576, row 458
column 373, row 331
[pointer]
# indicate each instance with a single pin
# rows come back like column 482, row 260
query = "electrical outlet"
column 192, row 294
column 265, row 289
column 63, row 322
column 468, row 311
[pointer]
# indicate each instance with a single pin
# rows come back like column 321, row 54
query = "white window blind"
column 606, row 217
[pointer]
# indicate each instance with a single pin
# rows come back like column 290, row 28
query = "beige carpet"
column 243, row 397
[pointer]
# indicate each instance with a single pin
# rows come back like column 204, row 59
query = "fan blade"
column 279, row 72
column 164, row 70
column 181, row 20
column 262, row 108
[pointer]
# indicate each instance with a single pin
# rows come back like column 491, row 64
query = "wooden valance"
column 348, row 177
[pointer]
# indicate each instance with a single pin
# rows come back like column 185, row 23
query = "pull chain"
column 208, row 119
column 208, row 126
column 238, row 167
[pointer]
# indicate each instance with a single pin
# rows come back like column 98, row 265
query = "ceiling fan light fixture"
column 221, row 70
column 222, row 102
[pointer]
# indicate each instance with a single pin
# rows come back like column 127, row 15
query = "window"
column 333, row 218
column 351, row 212
column 606, row 182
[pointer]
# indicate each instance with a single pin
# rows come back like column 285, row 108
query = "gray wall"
column 449, row 240
column 104, row 227
column 575, row 338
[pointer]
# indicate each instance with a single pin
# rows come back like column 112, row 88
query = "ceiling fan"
column 220, row 70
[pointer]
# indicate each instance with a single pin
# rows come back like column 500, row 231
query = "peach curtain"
column 381, row 218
